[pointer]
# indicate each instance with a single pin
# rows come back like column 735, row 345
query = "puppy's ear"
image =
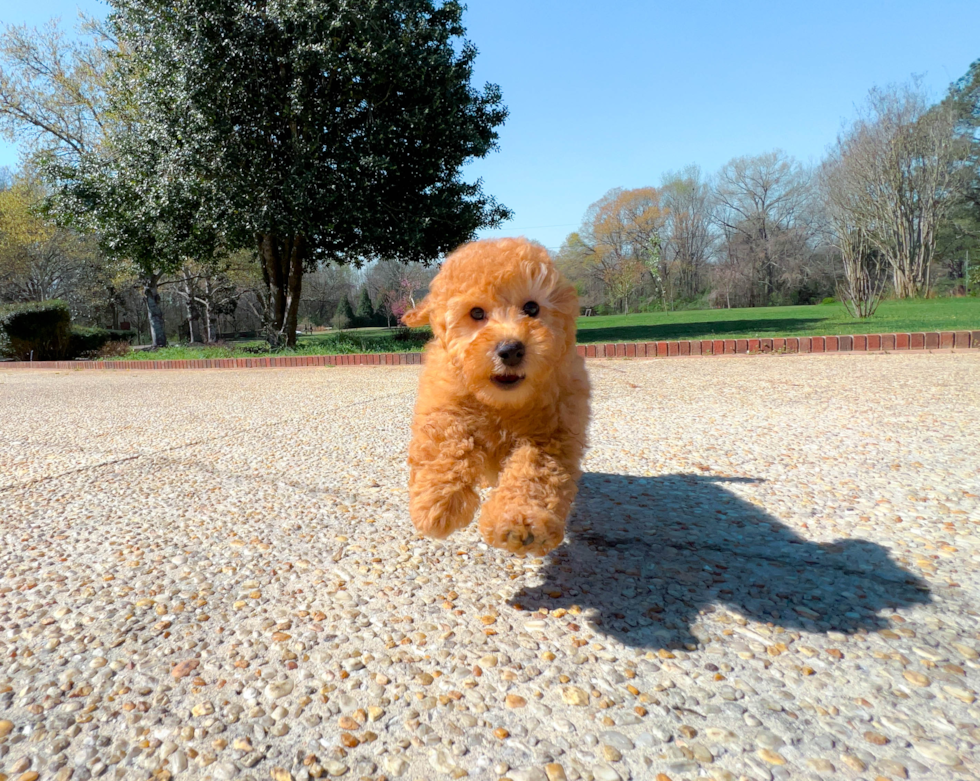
column 418, row 316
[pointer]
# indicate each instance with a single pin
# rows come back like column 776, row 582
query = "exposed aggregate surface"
column 772, row 571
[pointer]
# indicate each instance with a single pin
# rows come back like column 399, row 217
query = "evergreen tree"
column 365, row 317
column 344, row 317
column 333, row 131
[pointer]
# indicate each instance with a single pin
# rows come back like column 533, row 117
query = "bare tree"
column 52, row 88
column 763, row 210
column 864, row 279
column 688, row 238
column 394, row 286
column 186, row 289
column 54, row 100
column 898, row 172
column 323, row 289
column 573, row 259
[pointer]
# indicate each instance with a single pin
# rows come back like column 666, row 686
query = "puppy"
column 503, row 398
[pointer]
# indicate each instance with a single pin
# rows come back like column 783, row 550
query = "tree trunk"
column 158, row 331
column 210, row 308
column 905, row 283
column 188, row 294
column 212, row 320
column 282, row 269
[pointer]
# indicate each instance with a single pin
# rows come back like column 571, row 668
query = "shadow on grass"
column 704, row 329
column 646, row 556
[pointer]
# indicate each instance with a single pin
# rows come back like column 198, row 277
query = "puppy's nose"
column 510, row 353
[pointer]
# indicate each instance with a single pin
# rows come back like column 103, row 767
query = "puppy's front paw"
column 522, row 530
column 438, row 514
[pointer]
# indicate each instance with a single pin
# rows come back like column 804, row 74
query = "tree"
column 395, row 287
column 322, row 291
column 334, row 131
column 344, row 317
column 364, row 316
column 762, row 210
column 864, row 281
column 76, row 107
column 958, row 237
column 618, row 238
column 38, row 260
column 53, row 88
column 688, row 238
column 139, row 194
column 572, row 260
column 623, row 279
column 397, row 302
column 211, row 290
column 900, row 169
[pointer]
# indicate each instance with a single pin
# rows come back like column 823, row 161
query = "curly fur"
column 525, row 440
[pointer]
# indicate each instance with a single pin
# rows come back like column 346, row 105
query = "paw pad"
column 514, row 538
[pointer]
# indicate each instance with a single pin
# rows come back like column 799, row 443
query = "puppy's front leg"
column 445, row 467
column 527, row 511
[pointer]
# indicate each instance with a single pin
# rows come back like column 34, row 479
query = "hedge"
column 39, row 330
column 91, row 340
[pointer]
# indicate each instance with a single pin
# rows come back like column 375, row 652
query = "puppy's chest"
column 498, row 436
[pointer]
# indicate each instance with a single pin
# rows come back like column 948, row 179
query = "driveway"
column 772, row 571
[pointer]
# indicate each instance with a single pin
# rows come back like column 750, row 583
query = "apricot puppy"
column 503, row 398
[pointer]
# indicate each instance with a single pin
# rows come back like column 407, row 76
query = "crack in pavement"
column 163, row 451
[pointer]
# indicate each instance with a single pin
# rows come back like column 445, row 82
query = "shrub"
column 115, row 348
column 88, row 342
column 829, row 300
column 38, row 330
column 418, row 337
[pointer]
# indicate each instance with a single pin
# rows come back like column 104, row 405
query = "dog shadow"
column 646, row 556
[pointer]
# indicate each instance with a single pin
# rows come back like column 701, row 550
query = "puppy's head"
column 504, row 315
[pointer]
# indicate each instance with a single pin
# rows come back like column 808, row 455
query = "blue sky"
column 615, row 94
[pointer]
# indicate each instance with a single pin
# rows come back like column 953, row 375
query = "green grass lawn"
column 940, row 314
column 361, row 340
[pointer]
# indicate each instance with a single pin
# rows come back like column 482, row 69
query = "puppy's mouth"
column 507, row 381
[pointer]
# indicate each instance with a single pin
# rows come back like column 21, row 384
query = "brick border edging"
column 288, row 361
column 931, row 340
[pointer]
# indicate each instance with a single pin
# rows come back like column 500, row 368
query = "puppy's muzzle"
column 511, row 353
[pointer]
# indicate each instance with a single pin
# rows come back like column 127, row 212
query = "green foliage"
column 117, row 173
column 344, row 316
column 829, row 300
column 328, row 131
column 973, row 287
column 365, row 316
column 87, row 341
column 346, row 343
column 45, row 329
column 965, row 96
column 135, row 195
column 346, row 123
column 36, row 330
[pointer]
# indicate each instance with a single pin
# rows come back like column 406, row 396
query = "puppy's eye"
column 531, row 309
column 477, row 314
